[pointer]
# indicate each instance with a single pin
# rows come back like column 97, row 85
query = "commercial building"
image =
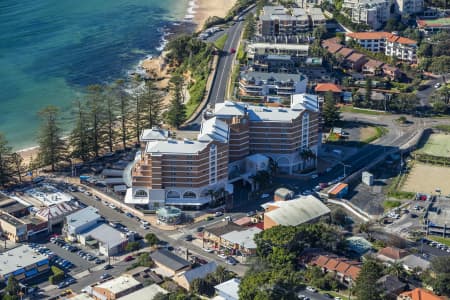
column 81, row 221
column 185, row 279
column 212, row 236
column 147, row 293
column 390, row 44
column 278, row 133
column 181, row 172
column 274, row 85
column 370, row 12
column 23, row 263
column 55, row 214
column 168, row 263
column 13, row 228
column 108, row 240
column 306, row 209
column 240, row 242
column 115, row 288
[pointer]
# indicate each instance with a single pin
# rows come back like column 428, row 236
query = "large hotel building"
column 186, row 173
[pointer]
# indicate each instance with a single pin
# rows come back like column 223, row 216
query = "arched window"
column 189, row 194
column 173, row 194
column 141, row 194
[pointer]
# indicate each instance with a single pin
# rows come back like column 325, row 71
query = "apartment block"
column 182, row 172
column 408, row 6
column 370, row 12
column 278, row 133
column 390, row 44
column 280, row 21
column 276, row 85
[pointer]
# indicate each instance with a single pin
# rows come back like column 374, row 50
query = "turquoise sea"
column 50, row 50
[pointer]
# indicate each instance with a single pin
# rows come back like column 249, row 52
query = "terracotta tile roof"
column 355, row 57
column 401, row 40
column 331, row 264
column 345, row 52
column 321, row 260
column 342, row 267
column 381, row 35
column 373, row 64
column 420, row 294
column 332, row 47
column 369, row 35
column 393, row 252
column 353, row 272
column 325, row 87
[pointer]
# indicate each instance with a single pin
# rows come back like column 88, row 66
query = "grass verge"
column 390, row 204
column 351, row 109
column 439, row 239
column 380, row 131
column 220, row 42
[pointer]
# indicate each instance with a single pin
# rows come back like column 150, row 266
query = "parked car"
column 105, row 276
column 128, row 258
column 218, row 213
column 311, row 289
column 107, row 267
column 188, row 238
column 231, row 260
column 209, row 250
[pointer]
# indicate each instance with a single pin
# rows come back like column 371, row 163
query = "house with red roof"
column 345, row 270
column 355, row 61
column 419, row 294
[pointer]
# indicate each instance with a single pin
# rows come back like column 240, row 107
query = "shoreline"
column 197, row 13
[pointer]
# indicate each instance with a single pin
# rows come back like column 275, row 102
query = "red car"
column 129, row 258
column 232, row 50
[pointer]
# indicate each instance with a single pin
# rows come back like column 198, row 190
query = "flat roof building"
column 115, row 288
column 23, row 263
column 110, row 241
column 82, row 220
column 229, row 290
column 146, row 293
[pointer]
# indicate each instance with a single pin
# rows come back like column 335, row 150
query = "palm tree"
column 396, row 269
column 367, row 228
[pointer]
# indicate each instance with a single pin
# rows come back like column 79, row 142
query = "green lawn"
column 390, row 204
column 351, row 109
column 220, row 43
column 442, row 240
column 437, row 145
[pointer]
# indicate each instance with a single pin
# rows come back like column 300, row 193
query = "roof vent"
column 187, row 141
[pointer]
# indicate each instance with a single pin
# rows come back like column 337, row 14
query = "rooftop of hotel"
column 153, row 134
column 305, row 101
column 17, row 258
column 214, row 130
column 257, row 113
column 172, row 146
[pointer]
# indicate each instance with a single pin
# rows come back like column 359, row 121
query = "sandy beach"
column 210, row 8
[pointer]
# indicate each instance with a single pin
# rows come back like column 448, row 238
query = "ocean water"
column 50, row 50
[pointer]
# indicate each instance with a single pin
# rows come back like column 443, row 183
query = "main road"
column 217, row 92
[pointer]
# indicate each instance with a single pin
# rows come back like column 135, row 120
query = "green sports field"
column 437, row 145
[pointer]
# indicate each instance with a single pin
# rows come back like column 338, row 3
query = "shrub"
column 58, row 275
